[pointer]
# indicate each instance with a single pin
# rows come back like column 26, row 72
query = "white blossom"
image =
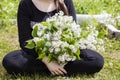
column 57, row 50
column 64, row 44
column 36, row 39
column 51, row 50
column 67, row 37
column 73, row 48
column 62, row 58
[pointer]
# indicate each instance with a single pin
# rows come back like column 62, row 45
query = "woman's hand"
column 54, row 67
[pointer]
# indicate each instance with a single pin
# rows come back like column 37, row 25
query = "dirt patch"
column 114, row 54
column 117, row 55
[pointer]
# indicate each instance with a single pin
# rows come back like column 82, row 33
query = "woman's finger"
column 63, row 70
column 56, row 72
column 52, row 73
column 60, row 72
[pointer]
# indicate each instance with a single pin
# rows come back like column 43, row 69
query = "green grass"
column 110, row 71
column 9, row 42
column 97, row 6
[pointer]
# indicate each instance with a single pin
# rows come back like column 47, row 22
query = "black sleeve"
column 24, row 29
column 71, row 8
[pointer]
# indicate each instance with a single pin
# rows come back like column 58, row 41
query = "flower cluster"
column 60, row 39
column 91, row 41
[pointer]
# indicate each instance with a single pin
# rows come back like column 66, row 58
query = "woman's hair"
column 61, row 6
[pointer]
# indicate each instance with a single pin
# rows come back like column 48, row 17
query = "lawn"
column 110, row 71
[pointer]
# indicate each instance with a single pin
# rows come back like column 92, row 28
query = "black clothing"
column 19, row 62
column 24, row 61
column 27, row 12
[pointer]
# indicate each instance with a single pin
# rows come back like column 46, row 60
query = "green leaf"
column 44, row 23
column 49, row 57
column 40, row 44
column 85, row 35
column 45, row 49
column 78, row 54
column 52, row 27
column 34, row 32
column 63, row 39
column 55, row 29
column 30, row 44
column 101, row 34
column 65, row 32
column 41, row 55
column 47, row 44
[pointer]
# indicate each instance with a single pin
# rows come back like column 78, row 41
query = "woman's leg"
column 91, row 62
column 19, row 62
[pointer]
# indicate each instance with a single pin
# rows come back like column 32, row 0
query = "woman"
column 25, row 60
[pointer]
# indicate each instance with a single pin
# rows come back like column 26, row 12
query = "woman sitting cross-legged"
column 25, row 60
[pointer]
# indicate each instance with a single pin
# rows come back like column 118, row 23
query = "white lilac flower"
column 61, row 13
column 68, row 19
column 51, row 50
column 47, row 36
column 73, row 58
column 57, row 40
column 58, row 23
column 76, row 30
column 82, row 45
column 62, row 58
column 96, row 33
column 100, row 48
column 66, row 57
column 64, row 44
column 40, row 30
column 56, row 50
column 54, row 38
column 57, row 34
column 91, row 46
column 39, row 33
column 91, row 39
column 70, row 58
column 101, row 41
column 48, row 44
column 73, row 48
column 36, row 39
column 56, row 44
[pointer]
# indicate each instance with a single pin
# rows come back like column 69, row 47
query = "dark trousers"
column 20, row 62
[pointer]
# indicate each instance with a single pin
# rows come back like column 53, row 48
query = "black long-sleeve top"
column 29, row 13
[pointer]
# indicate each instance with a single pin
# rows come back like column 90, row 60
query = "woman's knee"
column 6, row 60
column 7, row 64
column 10, row 62
column 99, row 63
column 94, row 58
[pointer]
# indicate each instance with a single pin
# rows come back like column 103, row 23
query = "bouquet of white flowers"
column 60, row 39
